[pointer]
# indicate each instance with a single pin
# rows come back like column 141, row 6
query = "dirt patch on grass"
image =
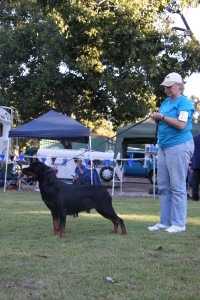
column 27, row 281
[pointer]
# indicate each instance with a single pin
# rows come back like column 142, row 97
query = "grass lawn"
column 35, row 264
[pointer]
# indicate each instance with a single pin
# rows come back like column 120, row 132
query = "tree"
column 95, row 59
column 196, row 102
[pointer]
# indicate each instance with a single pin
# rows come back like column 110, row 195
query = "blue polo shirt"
column 169, row 136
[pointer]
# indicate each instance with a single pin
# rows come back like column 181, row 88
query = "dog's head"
column 37, row 170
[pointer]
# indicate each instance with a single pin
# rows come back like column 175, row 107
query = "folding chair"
column 26, row 183
column 12, row 176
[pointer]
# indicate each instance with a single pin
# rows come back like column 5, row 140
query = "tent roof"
column 53, row 126
column 144, row 133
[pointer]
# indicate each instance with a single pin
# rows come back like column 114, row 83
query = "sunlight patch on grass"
column 136, row 217
column 193, row 221
column 141, row 217
column 33, row 212
column 130, row 217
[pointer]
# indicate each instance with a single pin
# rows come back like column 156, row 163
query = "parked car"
column 140, row 164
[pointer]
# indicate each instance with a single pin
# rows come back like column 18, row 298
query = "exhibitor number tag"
column 183, row 116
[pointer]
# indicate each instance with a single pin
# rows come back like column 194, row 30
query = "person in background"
column 189, row 181
column 81, row 175
column 175, row 150
column 196, row 168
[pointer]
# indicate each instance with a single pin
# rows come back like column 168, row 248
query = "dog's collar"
column 48, row 171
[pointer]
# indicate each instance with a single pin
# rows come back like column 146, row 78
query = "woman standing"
column 175, row 151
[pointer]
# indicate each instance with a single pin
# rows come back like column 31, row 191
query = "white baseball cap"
column 172, row 78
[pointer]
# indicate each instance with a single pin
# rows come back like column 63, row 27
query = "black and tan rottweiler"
column 65, row 199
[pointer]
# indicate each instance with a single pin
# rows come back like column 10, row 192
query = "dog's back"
column 75, row 198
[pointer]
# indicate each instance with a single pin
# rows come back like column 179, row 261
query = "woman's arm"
column 171, row 121
column 81, row 170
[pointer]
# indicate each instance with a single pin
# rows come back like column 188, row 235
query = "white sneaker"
column 158, row 226
column 174, row 229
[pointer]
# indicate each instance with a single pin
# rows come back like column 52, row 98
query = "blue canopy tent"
column 52, row 126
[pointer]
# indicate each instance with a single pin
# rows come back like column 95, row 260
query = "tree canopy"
column 97, row 59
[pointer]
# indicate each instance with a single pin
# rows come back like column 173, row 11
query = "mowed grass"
column 35, row 264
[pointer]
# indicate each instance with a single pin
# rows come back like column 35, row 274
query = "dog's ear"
column 38, row 167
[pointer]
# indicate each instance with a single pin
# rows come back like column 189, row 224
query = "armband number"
column 183, row 116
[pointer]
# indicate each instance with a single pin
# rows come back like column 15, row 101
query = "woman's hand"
column 157, row 116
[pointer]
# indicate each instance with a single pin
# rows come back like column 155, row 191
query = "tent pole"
column 154, row 177
column 113, row 181
column 90, row 147
column 15, row 159
column 121, row 178
column 15, row 151
column 7, row 157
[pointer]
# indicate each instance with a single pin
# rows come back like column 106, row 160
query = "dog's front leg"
column 56, row 222
column 62, row 224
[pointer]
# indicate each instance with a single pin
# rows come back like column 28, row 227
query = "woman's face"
column 173, row 91
column 79, row 162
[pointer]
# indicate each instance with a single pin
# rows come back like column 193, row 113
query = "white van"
column 64, row 160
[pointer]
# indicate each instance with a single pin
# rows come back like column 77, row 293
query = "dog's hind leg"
column 112, row 220
column 110, row 214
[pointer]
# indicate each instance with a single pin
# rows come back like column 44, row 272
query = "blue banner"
column 86, row 161
column 21, row 157
column 107, row 162
column 2, row 157
column 64, row 161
